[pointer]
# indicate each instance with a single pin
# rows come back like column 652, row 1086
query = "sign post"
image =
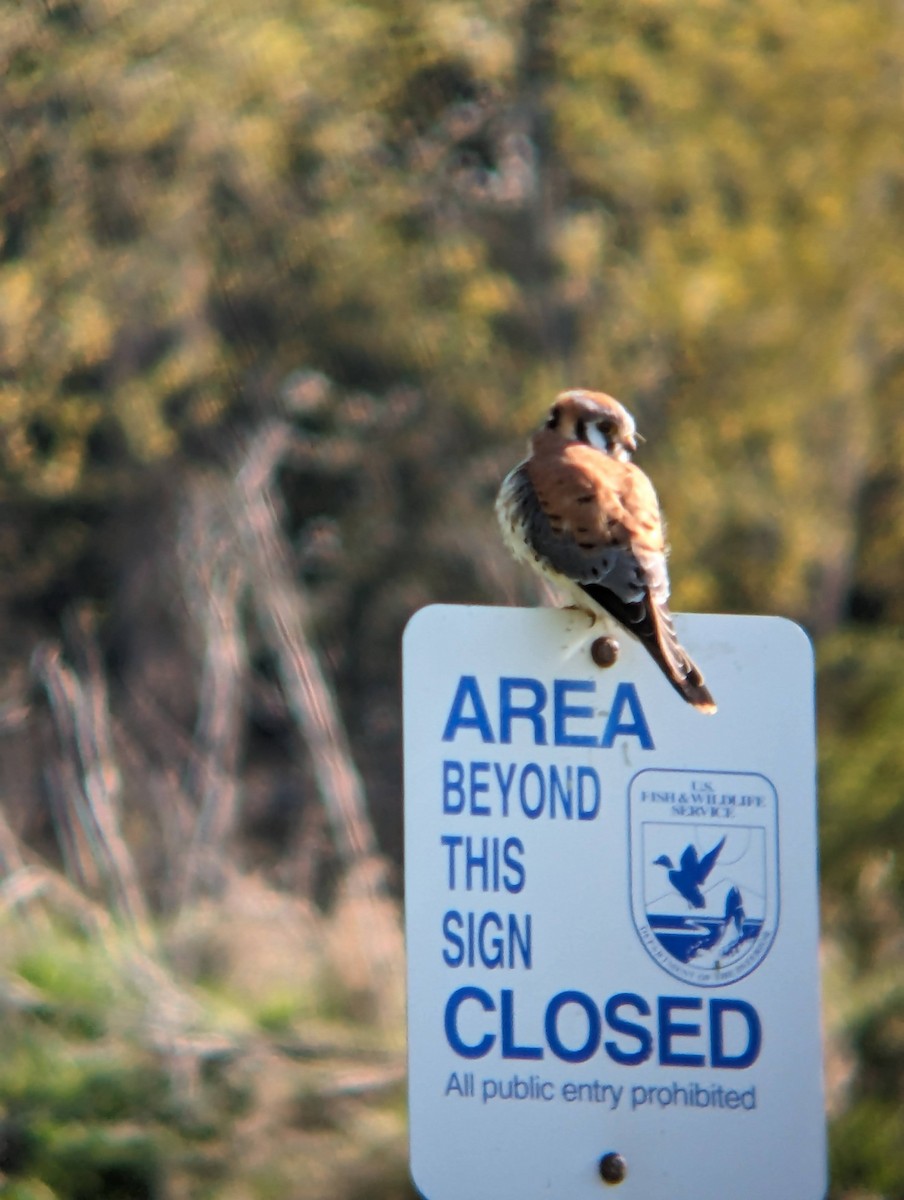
column 612, row 913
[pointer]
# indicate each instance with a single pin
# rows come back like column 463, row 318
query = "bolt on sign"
column 611, row 913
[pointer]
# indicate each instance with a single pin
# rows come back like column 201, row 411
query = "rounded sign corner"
column 796, row 633
column 421, row 616
column 413, row 1176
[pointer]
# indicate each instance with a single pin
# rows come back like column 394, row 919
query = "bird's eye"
column 599, row 436
column 553, row 420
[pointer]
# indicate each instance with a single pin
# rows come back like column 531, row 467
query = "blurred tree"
column 742, row 266
column 696, row 209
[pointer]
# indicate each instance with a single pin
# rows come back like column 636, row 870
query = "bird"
column 583, row 515
column 692, row 872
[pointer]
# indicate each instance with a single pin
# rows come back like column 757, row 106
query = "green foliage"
column 83, row 1164
column 77, row 993
column 696, row 207
column 735, row 167
column 133, row 1112
column 68, row 1106
column 866, row 1151
column 861, row 705
column 279, row 1012
column 861, row 694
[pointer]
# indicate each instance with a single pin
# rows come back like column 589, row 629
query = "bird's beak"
column 630, row 444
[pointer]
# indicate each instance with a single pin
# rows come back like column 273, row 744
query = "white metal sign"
column 611, row 913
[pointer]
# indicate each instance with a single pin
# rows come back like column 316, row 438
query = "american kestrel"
column 582, row 514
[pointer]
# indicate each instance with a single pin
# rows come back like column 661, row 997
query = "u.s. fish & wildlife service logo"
column 704, row 871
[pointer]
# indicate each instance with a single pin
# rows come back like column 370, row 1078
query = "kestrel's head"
column 596, row 419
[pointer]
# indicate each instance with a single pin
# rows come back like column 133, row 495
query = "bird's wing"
column 708, row 861
column 596, row 520
column 689, row 863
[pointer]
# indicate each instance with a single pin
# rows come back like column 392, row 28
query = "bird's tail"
column 652, row 624
column 681, row 670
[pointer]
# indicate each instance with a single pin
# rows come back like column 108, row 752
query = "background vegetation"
column 283, row 285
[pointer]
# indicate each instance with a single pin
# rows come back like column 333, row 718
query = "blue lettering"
column 668, row 1029
column 479, row 786
column 594, row 1027
column 469, row 711
column 633, row 1043
column 496, row 958
column 587, row 810
column 450, row 920
column 514, row 882
column 453, row 1004
column 468, row 691
column 454, row 1085
column 453, row 786
column 562, row 711
column 510, row 1049
column 532, row 770
column 751, row 1052
column 564, row 792
column 626, row 695
column 524, row 942
column 477, row 863
column 505, row 785
column 628, row 1058
column 508, row 711
column 453, row 841
column 489, row 940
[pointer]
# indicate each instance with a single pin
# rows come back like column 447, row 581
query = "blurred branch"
column 214, row 585
column 10, row 851
column 280, row 606
column 84, row 778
